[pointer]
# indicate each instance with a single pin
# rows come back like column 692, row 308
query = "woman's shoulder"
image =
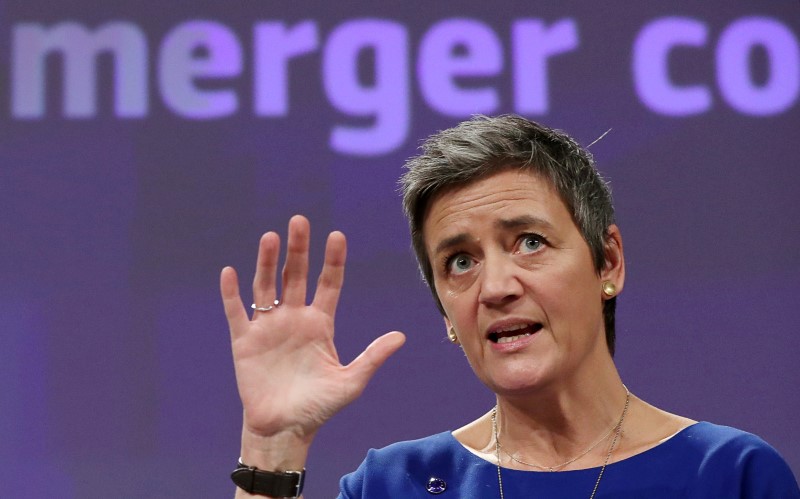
column 702, row 459
column 737, row 458
column 726, row 444
column 657, row 432
column 711, row 435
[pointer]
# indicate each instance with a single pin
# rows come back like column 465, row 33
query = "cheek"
column 574, row 294
column 455, row 291
column 461, row 311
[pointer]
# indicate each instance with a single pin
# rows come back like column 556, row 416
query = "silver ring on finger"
column 267, row 308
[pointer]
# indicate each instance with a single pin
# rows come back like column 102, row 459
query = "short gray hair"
column 486, row 145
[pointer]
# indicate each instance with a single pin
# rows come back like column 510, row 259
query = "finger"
column 234, row 309
column 264, row 291
column 331, row 278
column 295, row 270
column 364, row 366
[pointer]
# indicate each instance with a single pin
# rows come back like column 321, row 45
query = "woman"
column 514, row 232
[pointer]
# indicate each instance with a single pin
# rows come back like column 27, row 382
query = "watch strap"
column 268, row 483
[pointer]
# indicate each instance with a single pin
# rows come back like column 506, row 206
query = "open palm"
column 287, row 370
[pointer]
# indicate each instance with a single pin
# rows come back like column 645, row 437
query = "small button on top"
column 436, row 485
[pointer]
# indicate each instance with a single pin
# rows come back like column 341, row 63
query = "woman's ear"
column 612, row 274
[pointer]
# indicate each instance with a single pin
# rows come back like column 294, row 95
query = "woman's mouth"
column 514, row 333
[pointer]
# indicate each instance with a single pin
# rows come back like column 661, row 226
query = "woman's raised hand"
column 288, row 372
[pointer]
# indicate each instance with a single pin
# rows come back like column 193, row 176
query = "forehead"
column 508, row 194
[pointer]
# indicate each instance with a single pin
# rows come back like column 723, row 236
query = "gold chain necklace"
column 558, row 467
column 617, row 429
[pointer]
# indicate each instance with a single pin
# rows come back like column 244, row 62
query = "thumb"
column 364, row 366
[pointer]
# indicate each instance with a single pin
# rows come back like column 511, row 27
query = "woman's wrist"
column 282, row 451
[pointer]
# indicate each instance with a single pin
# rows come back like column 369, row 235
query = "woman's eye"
column 459, row 264
column 531, row 243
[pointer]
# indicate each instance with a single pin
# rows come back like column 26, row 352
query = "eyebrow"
column 503, row 223
column 522, row 221
column 451, row 241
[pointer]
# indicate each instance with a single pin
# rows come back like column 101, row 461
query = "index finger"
column 234, row 310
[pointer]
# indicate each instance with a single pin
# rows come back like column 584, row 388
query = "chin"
column 518, row 381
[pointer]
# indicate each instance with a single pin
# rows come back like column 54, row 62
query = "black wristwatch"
column 268, row 483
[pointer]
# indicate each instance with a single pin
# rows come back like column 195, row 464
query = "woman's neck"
column 560, row 421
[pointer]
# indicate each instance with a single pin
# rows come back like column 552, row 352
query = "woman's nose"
column 500, row 281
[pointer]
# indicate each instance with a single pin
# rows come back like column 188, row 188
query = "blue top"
column 702, row 461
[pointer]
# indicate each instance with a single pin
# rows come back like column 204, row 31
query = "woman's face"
column 517, row 281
